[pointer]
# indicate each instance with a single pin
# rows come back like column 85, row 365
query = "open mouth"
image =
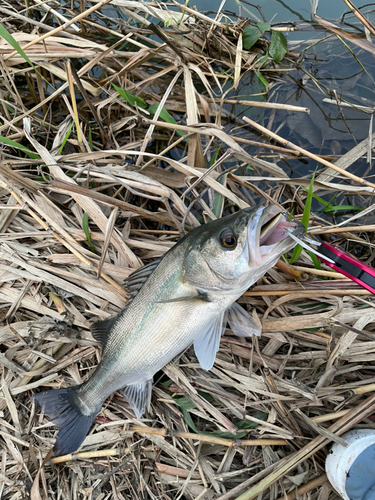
column 275, row 228
column 269, row 234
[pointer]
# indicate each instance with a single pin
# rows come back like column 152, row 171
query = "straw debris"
column 113, row 144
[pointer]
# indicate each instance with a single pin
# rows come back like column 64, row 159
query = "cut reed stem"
column 209, row 439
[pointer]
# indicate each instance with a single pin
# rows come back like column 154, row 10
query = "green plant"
column 86, row 229
column 134, row 100
column 305, row 221
column 278, row 46
column 19, row 146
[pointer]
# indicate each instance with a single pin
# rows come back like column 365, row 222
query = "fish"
column 184, row 298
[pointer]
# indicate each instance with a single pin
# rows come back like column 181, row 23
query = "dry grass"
column 128, row 179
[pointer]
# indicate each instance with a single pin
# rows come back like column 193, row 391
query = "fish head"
column 231, row 253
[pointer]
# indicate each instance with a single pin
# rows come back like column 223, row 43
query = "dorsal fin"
column 133, row 283
column 138, row 278
column 101, row 330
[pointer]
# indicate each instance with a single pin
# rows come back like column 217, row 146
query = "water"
column 279, row 10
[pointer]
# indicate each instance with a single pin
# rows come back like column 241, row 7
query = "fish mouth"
column 268, row 234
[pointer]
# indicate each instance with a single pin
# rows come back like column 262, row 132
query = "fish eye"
column 228, row 240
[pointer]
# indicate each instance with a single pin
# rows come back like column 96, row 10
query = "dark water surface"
column 278, row 10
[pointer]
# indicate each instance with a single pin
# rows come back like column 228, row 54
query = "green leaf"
column 206, row 396
column 9, row 107
column 305, row 219
column 214, row 156
column 17, row 145
column 278, row 47
column 296, row 253
column 261, row 61
column 90, row 139
column 306, row 211
column 226, row 435
column 342, row 208
column 8, row 37
column 311, row 307
column 248, row 424
column 251, row 34
column 315, row 260
column 167, row 383
column 164, row 115
column 85, row 227
column 66, row 137
column 130, row 98
column 218, row 202
column 318, row 198
column 184, row 403
column 168, row 22
column 189, row 420
column 264, row 27
column 262, row 79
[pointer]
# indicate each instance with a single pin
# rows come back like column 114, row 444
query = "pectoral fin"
column 241, row 323
column 207, row 345
column 138, row 396
column 198, row 296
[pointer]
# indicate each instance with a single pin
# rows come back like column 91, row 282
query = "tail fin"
column 62, row 407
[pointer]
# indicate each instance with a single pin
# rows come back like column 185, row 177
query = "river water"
column 279, row 10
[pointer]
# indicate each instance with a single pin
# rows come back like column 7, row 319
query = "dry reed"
column 92, row 192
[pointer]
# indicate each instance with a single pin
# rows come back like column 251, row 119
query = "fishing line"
column 309, row 240
column 307, row 247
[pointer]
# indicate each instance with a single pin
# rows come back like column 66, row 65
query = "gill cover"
column 211, row 265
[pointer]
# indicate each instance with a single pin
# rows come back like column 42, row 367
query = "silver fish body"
column 186, row 298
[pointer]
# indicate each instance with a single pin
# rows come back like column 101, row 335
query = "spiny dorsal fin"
column 101, row 330
column 138, row 278
column 133, row 283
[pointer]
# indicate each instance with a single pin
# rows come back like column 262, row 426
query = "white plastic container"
column 351, row 469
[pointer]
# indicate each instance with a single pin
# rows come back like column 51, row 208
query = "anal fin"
column 138, row 396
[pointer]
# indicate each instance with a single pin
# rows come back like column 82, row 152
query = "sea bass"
column 184, row 298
